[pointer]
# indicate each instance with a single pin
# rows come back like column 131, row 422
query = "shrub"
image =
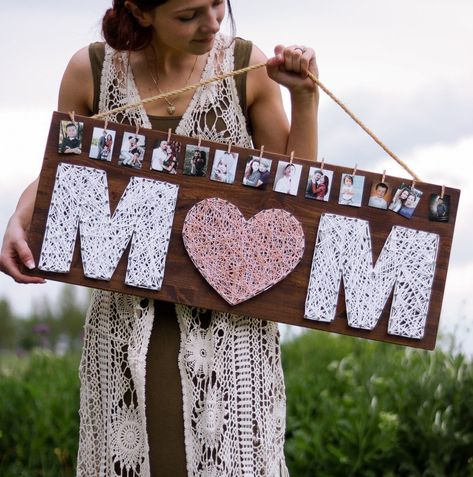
column 360, row 408
column 39, row 425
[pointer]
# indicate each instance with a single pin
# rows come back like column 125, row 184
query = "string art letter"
column 407, row 263
column 143, row 215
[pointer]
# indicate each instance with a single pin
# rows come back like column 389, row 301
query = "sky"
column 405, row 68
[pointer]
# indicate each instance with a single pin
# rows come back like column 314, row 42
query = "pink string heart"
column 240, row 258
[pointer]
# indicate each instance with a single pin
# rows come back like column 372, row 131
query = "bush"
column 39, row 422
column 355, row 408
column 360, row 408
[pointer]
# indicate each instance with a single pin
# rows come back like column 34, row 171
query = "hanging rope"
column 246, row 70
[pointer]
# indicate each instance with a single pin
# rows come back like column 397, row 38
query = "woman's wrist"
column 304, row 96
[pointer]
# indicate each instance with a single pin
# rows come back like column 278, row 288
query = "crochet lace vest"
column 232, row 382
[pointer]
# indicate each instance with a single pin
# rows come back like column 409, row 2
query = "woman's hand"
column 290, row 67
column 15, row 252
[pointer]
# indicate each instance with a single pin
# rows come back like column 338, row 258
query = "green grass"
column 355, row 408
column 39, row 424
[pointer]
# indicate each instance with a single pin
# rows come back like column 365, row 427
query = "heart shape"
column 240, row 258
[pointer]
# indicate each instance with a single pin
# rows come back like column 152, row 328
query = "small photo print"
column 257, row 172
column 439, row 208
column 164, row 157
column 224, row 167
column 196, row 160
column 287, row 178
column 70, row 137
column 405, row 200
column 351, row 190
column 380, row 195
column 102, row 144
column 132, row 151
column 319, row 184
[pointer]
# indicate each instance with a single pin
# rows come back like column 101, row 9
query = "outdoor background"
column 406, row 69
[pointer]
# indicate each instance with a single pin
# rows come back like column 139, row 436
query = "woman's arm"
column 288, row 68
column 76, row 94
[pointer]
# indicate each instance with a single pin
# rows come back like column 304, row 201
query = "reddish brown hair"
column 123, row 32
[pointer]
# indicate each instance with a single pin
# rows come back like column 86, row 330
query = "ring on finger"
column 301, row 49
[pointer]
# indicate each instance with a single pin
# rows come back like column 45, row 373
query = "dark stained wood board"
column 183, row 283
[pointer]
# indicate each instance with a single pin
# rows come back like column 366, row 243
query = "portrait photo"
column 101, row 146
column 319, row 184
column 70, row 137
column 380, row 195
column 405, row 200
column 132, row 151
column 165, row 156
column 196, row 160
column 439, row 208
column 224, row 167
column 257, row 172
column 288, row 176
column 351, row 190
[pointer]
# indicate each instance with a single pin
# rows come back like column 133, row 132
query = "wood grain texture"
column 183, row 283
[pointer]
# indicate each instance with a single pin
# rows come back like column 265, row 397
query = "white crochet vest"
column 232, row 382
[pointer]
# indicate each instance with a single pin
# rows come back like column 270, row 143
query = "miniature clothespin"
column 72, row 116
column 292, row 157
column 199, row 142
column 261, row 152
column 354, row 170
column 443, row 192
column 383, row 178
column 105, row 124
column 229, row 150
column 169, row 135
column 322, row 164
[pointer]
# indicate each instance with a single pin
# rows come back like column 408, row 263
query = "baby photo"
column 102, row 144
column 319, row 184
column 287, row 178
column 380, row 195
column 351, row 190
column 70, row 137
column 164, row 156
column 405, row 200
column 196, row 160
column 224, row 167
column 257, row 172
column 132, row 151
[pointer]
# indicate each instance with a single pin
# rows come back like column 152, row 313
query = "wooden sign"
column 244, row 231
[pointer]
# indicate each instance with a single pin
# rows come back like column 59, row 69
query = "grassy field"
column 355, row 408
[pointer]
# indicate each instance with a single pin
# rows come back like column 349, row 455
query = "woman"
column 213, row 403
column 398, row 200
column 252, row 173
column 285, row 184
column 320, row 189
column 170, row 163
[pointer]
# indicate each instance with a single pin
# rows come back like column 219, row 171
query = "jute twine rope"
column 221, row 77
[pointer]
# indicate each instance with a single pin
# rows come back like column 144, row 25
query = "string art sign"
column 242, row 231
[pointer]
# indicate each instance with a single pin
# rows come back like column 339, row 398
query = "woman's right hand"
column 16, row 252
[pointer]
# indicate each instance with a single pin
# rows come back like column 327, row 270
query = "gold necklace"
column 171, row 108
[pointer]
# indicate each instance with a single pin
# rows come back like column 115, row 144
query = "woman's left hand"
column 290, row 67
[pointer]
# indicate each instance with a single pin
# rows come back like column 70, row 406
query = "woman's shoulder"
column 76, row 91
